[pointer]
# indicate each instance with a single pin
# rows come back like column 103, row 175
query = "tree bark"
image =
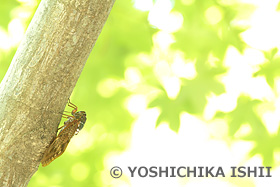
column 40, row 79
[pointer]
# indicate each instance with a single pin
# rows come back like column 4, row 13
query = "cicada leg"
column 60, row 127
column 65, row 124
column 66, row 115
column 72, row 106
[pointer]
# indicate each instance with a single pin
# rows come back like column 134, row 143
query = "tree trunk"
column 40, row 79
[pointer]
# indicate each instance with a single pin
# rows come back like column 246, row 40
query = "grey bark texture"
column 40, row 79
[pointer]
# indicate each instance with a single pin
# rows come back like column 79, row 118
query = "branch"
column 40, row 79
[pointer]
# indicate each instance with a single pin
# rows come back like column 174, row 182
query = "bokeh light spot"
column 79, row 171
column 143, row 5
column 213, row 15
column 108, row 87
column 136, row 104
column 187, row 2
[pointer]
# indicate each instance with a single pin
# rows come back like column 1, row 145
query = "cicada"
column 71, row 127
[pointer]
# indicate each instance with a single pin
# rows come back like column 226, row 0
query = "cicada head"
column 81, row 115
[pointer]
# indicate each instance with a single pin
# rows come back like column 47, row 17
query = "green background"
column 127, row 40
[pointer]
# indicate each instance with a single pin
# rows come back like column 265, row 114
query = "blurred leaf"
column 170, row 111
column 265, row 144
column 278, row 6
column 270, row 70
column 197, row 38
column 270, row 54
column 192, row 97
column 5, row 11
column 243, row 113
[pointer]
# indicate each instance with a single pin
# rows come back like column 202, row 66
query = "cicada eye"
column 81, row 125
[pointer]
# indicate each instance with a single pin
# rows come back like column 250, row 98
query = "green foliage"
column 271, row 69
column 243, row 113
column 6, row 12
column 128, row 41
column 197, row 38
column 192, row 97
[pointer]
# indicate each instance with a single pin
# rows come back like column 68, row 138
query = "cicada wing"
column 57, row 148
column 59, row 145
